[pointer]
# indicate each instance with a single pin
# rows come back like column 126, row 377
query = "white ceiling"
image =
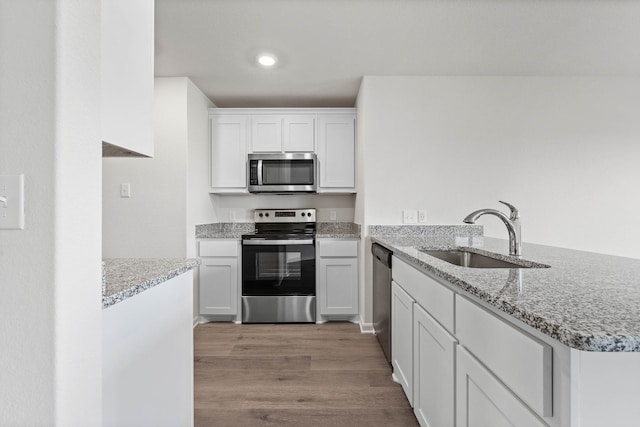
column 326, row 46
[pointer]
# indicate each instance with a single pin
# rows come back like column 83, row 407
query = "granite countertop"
column 235, row 230
column 126, row 277
column 338, row 230
column 585, row 300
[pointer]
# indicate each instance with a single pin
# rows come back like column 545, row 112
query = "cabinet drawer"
column 520, row 361
column 337, row 248
column 226, row 248
column 482, row 400
column 434, row 297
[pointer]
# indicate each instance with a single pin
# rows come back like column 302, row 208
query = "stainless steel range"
column 279, row 267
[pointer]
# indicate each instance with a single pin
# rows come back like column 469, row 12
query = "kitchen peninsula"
column 147, row 330
column 552, row 346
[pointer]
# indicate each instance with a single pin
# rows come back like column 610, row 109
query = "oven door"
column 278, row 267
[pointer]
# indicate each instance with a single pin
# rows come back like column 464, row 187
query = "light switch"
column 125, row 190
column 12, row 202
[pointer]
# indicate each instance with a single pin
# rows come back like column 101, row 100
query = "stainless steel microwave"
column 283, row 173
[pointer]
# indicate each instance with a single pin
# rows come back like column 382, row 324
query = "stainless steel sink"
column 475, row 260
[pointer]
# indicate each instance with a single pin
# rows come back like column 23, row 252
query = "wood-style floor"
column 294, row 375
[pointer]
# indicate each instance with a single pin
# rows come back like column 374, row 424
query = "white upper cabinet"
column 290, row 133
column 127, row 74
column 336, row 153
column 329, row 133
column 299, row 133
column 266, row 134
column 228, row 153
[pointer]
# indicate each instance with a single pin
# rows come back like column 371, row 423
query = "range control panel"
column 285, row 215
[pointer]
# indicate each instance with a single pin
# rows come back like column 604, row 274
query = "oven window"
column 287, row 172
column 278, row 264
column 278, row 270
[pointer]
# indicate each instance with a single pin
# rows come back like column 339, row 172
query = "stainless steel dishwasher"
column 382, row 297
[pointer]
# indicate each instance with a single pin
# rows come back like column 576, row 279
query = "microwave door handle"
column 259, row 172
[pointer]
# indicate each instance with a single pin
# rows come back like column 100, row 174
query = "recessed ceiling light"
column 267, row 60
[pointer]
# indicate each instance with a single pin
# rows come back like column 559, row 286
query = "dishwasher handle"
column 382, row 254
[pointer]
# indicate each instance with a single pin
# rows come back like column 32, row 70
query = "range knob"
column 267, row 214
column 301, row 213
column 260, row 215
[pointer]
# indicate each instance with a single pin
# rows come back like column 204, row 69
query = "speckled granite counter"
column 338, row 230
column 586, row 301
column 235, row 230
column 126, row 277
column 224, row 230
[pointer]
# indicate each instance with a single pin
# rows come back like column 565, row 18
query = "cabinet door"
column 266, row 134
column 127, row 74
column 482, row 400
column 402, row 339
column 228, row 153
column 433, row 371
column 299, row 133
column 336, row 152
column 338, row 286
column 219, row 286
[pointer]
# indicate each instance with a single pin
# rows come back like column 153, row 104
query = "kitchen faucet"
column 512, row 222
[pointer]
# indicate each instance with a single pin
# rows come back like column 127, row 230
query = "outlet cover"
column 332, row 215
column 125, row 190
column 409, row 216
column 422, row 217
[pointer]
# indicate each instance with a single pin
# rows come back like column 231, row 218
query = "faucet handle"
column 514, row 211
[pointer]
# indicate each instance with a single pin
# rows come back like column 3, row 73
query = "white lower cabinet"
column 433, row 371
column 485, row 373
column 483, row 401
column 337, row 277
column 219, row 277
column 402, row 339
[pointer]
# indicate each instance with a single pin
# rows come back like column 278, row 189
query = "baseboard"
column 366, row 328
column 195, row 321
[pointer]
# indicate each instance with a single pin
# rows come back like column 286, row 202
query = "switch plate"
column 409, row 216
column 332, row 215
column 12, row 202
column 125, row 190
column 422, row 217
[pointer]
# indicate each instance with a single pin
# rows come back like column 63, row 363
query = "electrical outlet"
column 125, row 190
column 232, row 215
column 332, row 215
column 409, row 216
column 422, row 217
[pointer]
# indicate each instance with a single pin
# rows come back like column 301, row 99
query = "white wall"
column 239, row 208
column 152, row 223
column 169, row 192
column 200, row 209
column 564, row 150
column 50, row 272
column 200, row 206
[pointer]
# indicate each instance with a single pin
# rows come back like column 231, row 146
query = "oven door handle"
column 265, row 242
